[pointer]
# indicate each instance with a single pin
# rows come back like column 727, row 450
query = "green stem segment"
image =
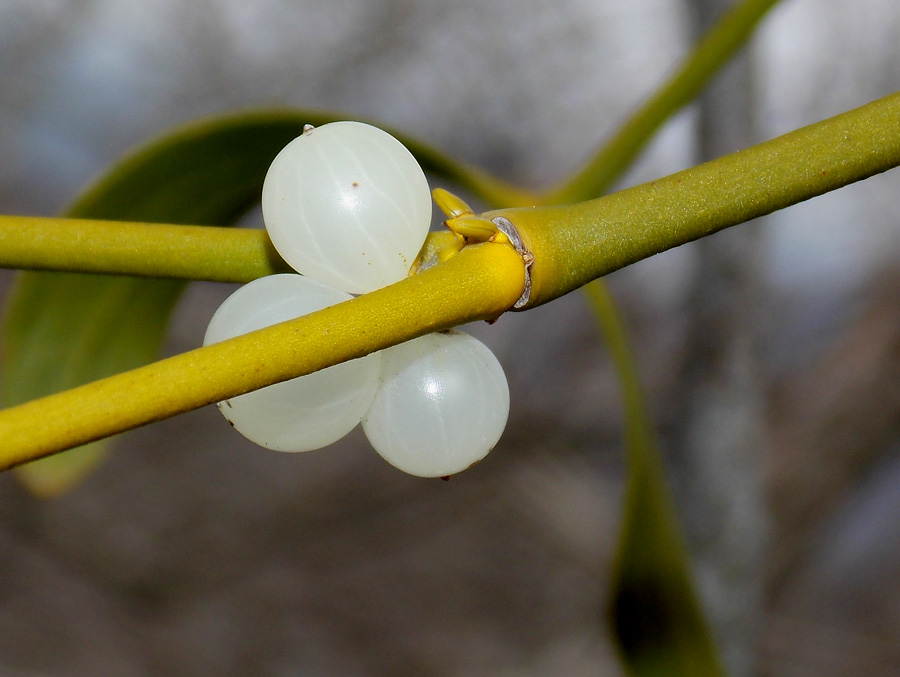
column 481, row 282
column 140, row 249
column 575, row 244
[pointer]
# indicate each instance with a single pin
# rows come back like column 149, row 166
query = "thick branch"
column 575, row 244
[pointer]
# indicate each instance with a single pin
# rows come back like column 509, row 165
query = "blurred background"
column 770, row 354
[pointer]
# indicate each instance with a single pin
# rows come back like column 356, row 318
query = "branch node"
column 505, row 225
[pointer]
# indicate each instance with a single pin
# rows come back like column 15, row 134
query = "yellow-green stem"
column 479, row 283
column 575, row 244
column 142, row 249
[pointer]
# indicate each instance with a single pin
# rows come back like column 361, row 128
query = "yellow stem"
column 481, row 282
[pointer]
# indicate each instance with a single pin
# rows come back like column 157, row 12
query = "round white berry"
column 442, row 405
column 347, row 204
column 304, row 413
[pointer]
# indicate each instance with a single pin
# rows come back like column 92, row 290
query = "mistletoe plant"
column 79, row 343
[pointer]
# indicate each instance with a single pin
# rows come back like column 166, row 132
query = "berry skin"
column 442, row 405
column 304, row 413
column 348, row 205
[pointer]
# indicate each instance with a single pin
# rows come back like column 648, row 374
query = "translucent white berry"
column 307, row 412
column 442, row 405
column 347, row 204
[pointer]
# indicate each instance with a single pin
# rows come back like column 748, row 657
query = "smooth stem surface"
column 479, row 283
column 152, row 250
column 715, row 50
column 575, row 244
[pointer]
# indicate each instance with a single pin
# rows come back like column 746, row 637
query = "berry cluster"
column 348, row 207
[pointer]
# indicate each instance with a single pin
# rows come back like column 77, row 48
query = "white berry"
column 304, row 413
column 348, row 205
column 442, row 405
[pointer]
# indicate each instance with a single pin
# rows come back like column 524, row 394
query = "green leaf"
column 62, row 330
column 656, row 616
